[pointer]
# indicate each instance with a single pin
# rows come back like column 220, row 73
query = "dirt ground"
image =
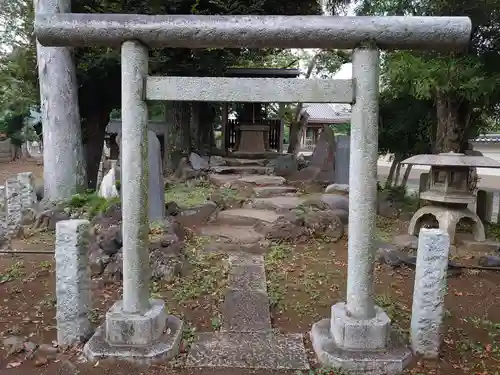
column 303, row 282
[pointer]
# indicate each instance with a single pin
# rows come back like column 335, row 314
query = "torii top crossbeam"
column 193, row 31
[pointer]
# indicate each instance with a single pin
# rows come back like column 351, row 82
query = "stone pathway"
column 246, row 338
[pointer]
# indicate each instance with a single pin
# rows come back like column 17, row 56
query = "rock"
column 289, row 227
column 226, row 201
column 48, row 218
column 196, row 215
column 108, row 189
column 41, row 361
column 197, row 162
column 343, row 215
column 217, row 161
column 172, row 209
column 184, row 171
column 332, row 188
column 114, row 269
column 166, row 263
column 98, row 260
column 30, row 346
column 322, row 166
column 284, row 165
column 489, row 261
column 47, row 349
column 110, row 240
column 28, row 216
column 336, row 202
column 324, row 224
column 13, row 344
column 387, row 205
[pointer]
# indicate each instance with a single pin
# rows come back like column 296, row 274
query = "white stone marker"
column 429, row 291
column 72, row 281
column 14, row 207
column 27, row 190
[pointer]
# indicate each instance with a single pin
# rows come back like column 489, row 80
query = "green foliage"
column 91, row 203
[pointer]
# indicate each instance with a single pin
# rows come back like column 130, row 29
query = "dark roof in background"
column 262, row 73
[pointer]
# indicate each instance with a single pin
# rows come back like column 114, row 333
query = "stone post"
column 363, row 184
column 429, row 291
column 358, row 335
column 282, row 127
column 135, row 327
column 27, row 189
column 14, row 207
column 72, row 281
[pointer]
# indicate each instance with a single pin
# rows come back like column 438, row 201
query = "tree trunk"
column 176, row 139
column 94, row 130
column 64, row 164
column 195, row 126
column 453, row 121
column 406, row 175
column 207, row 138
column 397, row 174
column 395, row 161
column 296, row 127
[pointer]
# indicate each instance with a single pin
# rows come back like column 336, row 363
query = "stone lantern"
column 448, row 191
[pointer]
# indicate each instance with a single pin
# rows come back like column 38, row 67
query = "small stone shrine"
column 448, row 192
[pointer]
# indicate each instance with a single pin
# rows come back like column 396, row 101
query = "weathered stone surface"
column 156, row 189
column 280, row 204
column 249, row 350
column 332, row 188
column 359, row 334
column 324, row 224
column 261, row 180
column 247, row 216
column 242, row 170
column 216, row 161
column 222, row 179
column 322, row 165
column 245, row 311
column 273, row 191
column 196, row 215
column 164, row 348
column 72, row 281
column 284, row 165
column 235, row 162
column 27, row 190
column 489, row 261
column 14, row 206
column 231, row 233
column 391, row 361
column 197, row 162
column 247, row 272
column 429, row 291
column 335, row 202
column 185, row 172
column 289, row 227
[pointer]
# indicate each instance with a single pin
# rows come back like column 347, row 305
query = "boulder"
column 197, row 162
column 284, row 165
column 324, row 224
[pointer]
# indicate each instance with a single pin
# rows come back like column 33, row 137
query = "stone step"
column 236, row 180
column 247, row 272
column 245, row 310
column 249, row 350
column 242, row 169
column 279, row 203
column 246, row 216
column 244, row 162
column 232, row 234
column 273, row 191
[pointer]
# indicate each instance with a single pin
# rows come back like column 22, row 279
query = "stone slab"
column 281, row 203
column 165, row 348
column 247, row 273
column 245, row 311
column 470, row 245
column 242, row 170
column 223, row 179
column 273, row 191
column 244, row 162
column 247, row 216
column 391, row 361
column 233, row 234
column 261, row 180
column 249, row 350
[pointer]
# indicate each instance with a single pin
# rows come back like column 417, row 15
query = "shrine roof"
column 452, row 159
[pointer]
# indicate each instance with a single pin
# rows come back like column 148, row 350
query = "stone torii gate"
column 358, row 335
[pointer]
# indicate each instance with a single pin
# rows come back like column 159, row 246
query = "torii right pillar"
column 358, row 336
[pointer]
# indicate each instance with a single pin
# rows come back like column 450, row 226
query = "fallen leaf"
column 13, row 364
